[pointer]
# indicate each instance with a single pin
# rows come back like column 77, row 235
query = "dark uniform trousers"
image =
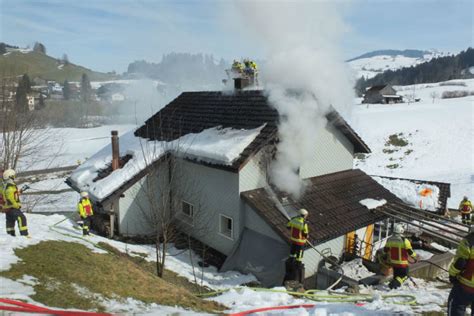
column 458, row 300
column 13, row 215
column 86, row 225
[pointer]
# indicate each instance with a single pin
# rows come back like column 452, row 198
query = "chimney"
column 241, row 83
column 115, row 150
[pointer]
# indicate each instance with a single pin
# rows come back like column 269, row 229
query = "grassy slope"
column 70, row 275
column 41, row 65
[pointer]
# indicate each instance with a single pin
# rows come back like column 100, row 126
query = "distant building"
column 384, row 94
column 117, row 97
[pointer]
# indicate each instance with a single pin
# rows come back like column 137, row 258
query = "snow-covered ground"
column 439, row 133
column 370, row 67
column 238, row 298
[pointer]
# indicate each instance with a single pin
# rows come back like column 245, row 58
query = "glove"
column 453, row 279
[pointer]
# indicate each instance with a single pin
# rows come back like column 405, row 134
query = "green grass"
column 70, row 275
column 46, row 67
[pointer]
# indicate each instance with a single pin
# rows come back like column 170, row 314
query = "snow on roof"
column 371, row 203
column 420, row 195
column 214, row 145
column 391, row 96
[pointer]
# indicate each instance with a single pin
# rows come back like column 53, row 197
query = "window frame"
column 188, row 219
column 221, row 216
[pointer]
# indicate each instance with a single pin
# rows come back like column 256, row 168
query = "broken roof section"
column 333, row 202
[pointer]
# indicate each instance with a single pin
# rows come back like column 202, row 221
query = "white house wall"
column 311, row 258
column 252, row 176
column 332, row 153
column 212, row 192
column 134, row 210
column 253, row 221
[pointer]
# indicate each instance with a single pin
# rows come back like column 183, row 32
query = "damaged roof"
column 332, row 201
column 193, row 112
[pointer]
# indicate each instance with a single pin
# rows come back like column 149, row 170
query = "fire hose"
column 17, row 306
column 325, row 296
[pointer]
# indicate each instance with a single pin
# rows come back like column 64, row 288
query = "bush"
column 453, row 83
column 456, row 94
column 396, row 140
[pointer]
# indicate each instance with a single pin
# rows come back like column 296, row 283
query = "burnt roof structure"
column 193, row 112
column 333, row 204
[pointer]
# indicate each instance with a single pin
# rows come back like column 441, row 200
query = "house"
column 384, row 94
column 208, row 153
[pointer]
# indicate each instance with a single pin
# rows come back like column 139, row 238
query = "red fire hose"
column 17, row 306
column 276, row 308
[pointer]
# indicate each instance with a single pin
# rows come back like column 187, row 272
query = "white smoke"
column 304, row 75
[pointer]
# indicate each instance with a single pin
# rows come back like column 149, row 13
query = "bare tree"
column 434, row 95
column 24, row 135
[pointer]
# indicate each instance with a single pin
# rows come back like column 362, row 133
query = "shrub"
column 396, row 140
column 456, row 94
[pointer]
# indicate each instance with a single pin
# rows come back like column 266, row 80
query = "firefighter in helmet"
column 298, row 234
column 84, row 208
column 465, row 207
column 461, row 275
column 397, row 250
column 12, row 206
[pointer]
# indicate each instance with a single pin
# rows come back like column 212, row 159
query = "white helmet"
column 9, row 174
column 303, row 212
column 84, row 194
column 398, row 229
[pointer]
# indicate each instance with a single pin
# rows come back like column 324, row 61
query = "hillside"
column 437, row 69
column 370, row 64
column 435, row 133
column 18, row 62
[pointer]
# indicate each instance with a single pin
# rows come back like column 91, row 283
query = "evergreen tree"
column 86, row 89
column 3, row 48
column 24, row 87
column 41, row 104
column 39, row 48
column 66, row 90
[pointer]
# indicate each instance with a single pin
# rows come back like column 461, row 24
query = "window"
column 187, row 210
column 226, row 226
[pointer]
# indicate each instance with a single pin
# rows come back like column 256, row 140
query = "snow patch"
column 422, row 196
column 371, row 203
column 355, row 269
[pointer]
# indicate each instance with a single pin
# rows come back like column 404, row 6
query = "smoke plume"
column 304, row 75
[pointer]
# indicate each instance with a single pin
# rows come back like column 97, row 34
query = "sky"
column 107, row 35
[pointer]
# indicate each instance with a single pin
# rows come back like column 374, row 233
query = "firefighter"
column 397, row 250
column 461, row 275
column 237, row 67
column 12, row 205
column 84, row 208
column 465, row 207
column 298, row 234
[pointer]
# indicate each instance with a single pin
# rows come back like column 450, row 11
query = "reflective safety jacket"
column 84, row 208
column 298, row 230
column 462, row 266
column 398, row 249
column 11, row 196
column 465, row 207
